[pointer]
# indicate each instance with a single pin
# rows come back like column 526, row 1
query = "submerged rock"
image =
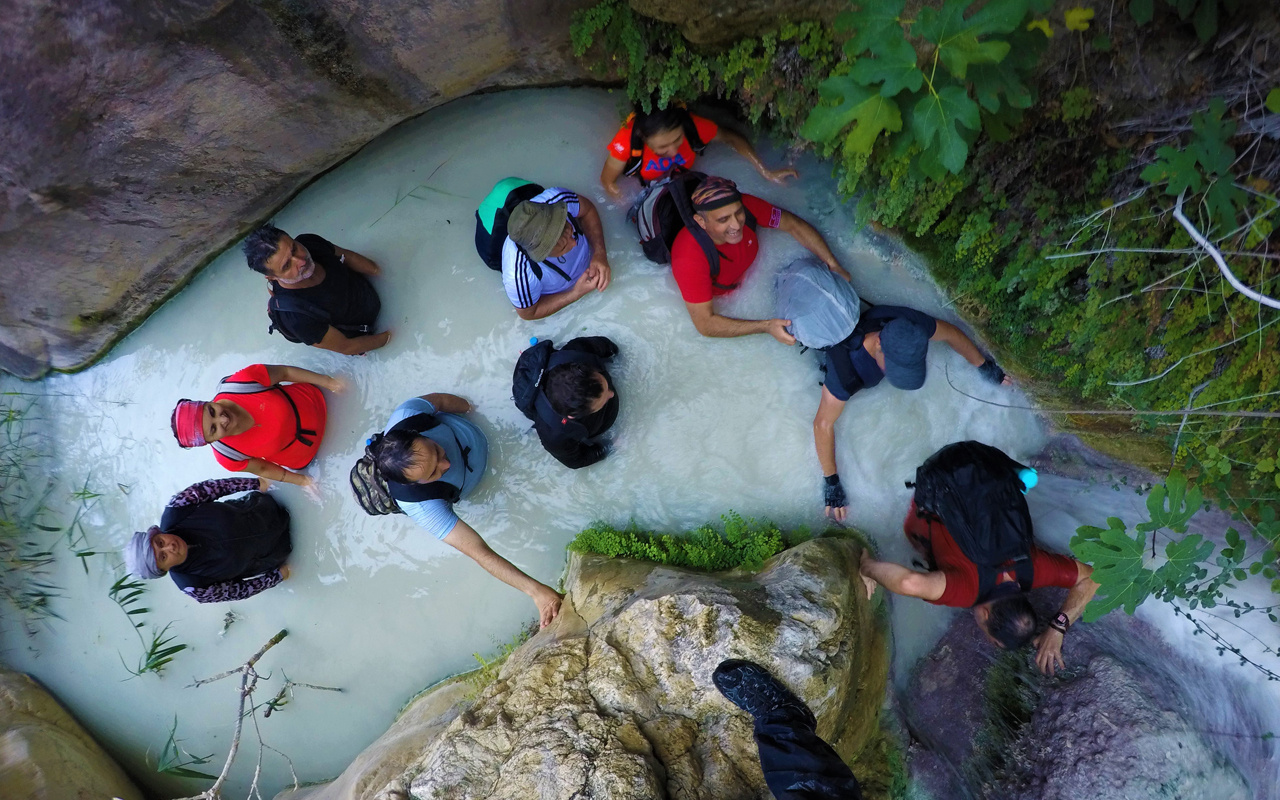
column 615, row 699
column 45, row 754
column 1120, row 722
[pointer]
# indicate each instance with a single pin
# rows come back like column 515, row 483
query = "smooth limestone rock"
column 615, row 699
column 140, row 139
column 46, row 755
column 722, row 22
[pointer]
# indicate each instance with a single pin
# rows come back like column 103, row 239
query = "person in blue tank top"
column 431, row 456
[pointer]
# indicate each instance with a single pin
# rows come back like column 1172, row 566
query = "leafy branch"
column 159, row 649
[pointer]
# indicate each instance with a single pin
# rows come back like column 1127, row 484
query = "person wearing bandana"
column 215, row 550
column 265, row 419
column 321, row 293
column 729, row 219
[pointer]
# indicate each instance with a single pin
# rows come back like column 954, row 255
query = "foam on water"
column 375, row 605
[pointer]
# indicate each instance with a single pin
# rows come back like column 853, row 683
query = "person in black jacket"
column 216, row 551
column 320, row 293
column 580, row 402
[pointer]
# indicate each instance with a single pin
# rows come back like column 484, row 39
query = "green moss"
column 1012, row 692
column 881, row 767
column 742, row 544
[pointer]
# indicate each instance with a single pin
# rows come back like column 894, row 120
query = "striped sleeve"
column 523, row 285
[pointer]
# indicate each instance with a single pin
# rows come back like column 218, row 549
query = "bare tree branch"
column 1270, row 302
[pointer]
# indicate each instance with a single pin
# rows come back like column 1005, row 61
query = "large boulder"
column 724, row 21
column 141, row 138
column 615, row 699
column 46, row 755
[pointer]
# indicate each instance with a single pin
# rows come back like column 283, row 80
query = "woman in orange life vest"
column 652, row 145
column 265, row 419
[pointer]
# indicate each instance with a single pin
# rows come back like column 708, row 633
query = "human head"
column 662, row 130
column 187, row 423
column 407, row 457
column 275, row 254
column 1010, row 622
column 905, row 347
column 576, row 390
column 541, row 229
column 151, row 553
column 718, row 209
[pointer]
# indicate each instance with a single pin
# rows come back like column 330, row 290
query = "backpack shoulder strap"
column 842, row 360
column 230, row 452
column 691, row 134
column 422, row 492
column 634, row 160
column 418, row 423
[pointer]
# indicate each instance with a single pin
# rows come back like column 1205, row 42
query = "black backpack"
column 974, row 490
column 489, row 243
column 666, row 210
column 691, row 135
column 290, row 303
column 526, row 382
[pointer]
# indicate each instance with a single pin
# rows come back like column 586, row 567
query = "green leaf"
column 1267, row 465
column 957, row 38
column 1273, row 100
column 1206, row 19
column 1000, row 124
column 1141, row 10
column 1177, row 169
column 1117, row 560
column 826, row 121
column 873, row 116
column 877, row 25
column 896, row 66
column 935, row 118
column 962, row 51
column 1224, row 200
column 998, row 16
column 992, row 80
column 1172, row 505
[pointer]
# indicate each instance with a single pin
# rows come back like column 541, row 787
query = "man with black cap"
column 554, row 253
column 888, row 342
column 713, row 260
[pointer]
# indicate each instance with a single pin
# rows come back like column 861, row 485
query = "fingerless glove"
column 833, row 492
column 991, row 371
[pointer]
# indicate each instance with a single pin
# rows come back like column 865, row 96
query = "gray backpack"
column 822, row 306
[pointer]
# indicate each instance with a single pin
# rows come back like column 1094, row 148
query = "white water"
column 375, row 605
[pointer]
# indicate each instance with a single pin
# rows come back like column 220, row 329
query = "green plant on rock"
column 744, row 543
column 1193, row 575
column 1203, row 14
column 930, row 84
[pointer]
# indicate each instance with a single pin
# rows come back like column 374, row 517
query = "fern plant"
column 743, row 543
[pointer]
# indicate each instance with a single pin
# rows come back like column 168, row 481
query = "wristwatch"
column 1061, row 623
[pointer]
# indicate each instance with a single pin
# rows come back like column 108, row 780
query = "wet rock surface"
column 615, row 699
column 141, row 139
column 1121, row 721
column 45, row 754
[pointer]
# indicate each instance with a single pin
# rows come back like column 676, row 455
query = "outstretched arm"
column 277, row 373
column 712, row 324
column 963, row 345
column 900, row 580
column 465, row 539
column 449, row 403
column 275, row 472
column 743, row 148
column 237, row 590
column 593, row 229
column 1049, row 643
column 210, row 490
column 609, row 176
column 824, row 439
column 807, row 235
column 338, row 342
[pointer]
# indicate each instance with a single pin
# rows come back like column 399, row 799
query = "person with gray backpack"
column 427, row 458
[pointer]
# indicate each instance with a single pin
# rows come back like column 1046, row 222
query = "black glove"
column 991, row 371
column 833, row 492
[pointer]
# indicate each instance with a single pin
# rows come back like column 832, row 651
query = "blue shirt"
column 437, row 516
column 519, row 278
column 866, row 372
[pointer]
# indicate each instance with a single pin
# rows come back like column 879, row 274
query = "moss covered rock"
column 615, row 698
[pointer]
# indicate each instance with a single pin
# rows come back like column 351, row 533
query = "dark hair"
column 1012, row 621
column 393, row 454
column 659, row 120
column 261, row 245
column 571, row 388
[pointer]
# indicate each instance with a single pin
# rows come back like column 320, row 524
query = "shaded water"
column 375, row 605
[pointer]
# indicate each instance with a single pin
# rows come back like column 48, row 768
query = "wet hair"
column 261, row 245
column 659, row 120
column 1012, row 621
column 571, row 388
column 393, row 453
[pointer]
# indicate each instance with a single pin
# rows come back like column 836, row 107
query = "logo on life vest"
column 665, row 164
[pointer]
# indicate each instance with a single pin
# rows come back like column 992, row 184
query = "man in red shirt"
column 1008, row 620
column 729, row 220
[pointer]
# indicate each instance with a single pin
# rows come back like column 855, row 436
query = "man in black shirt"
column 319, row 293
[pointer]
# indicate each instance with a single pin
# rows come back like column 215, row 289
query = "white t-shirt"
column 519, row 278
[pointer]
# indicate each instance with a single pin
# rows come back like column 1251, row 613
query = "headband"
column 139, row 558
column 715, row 192
column 187, row 423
